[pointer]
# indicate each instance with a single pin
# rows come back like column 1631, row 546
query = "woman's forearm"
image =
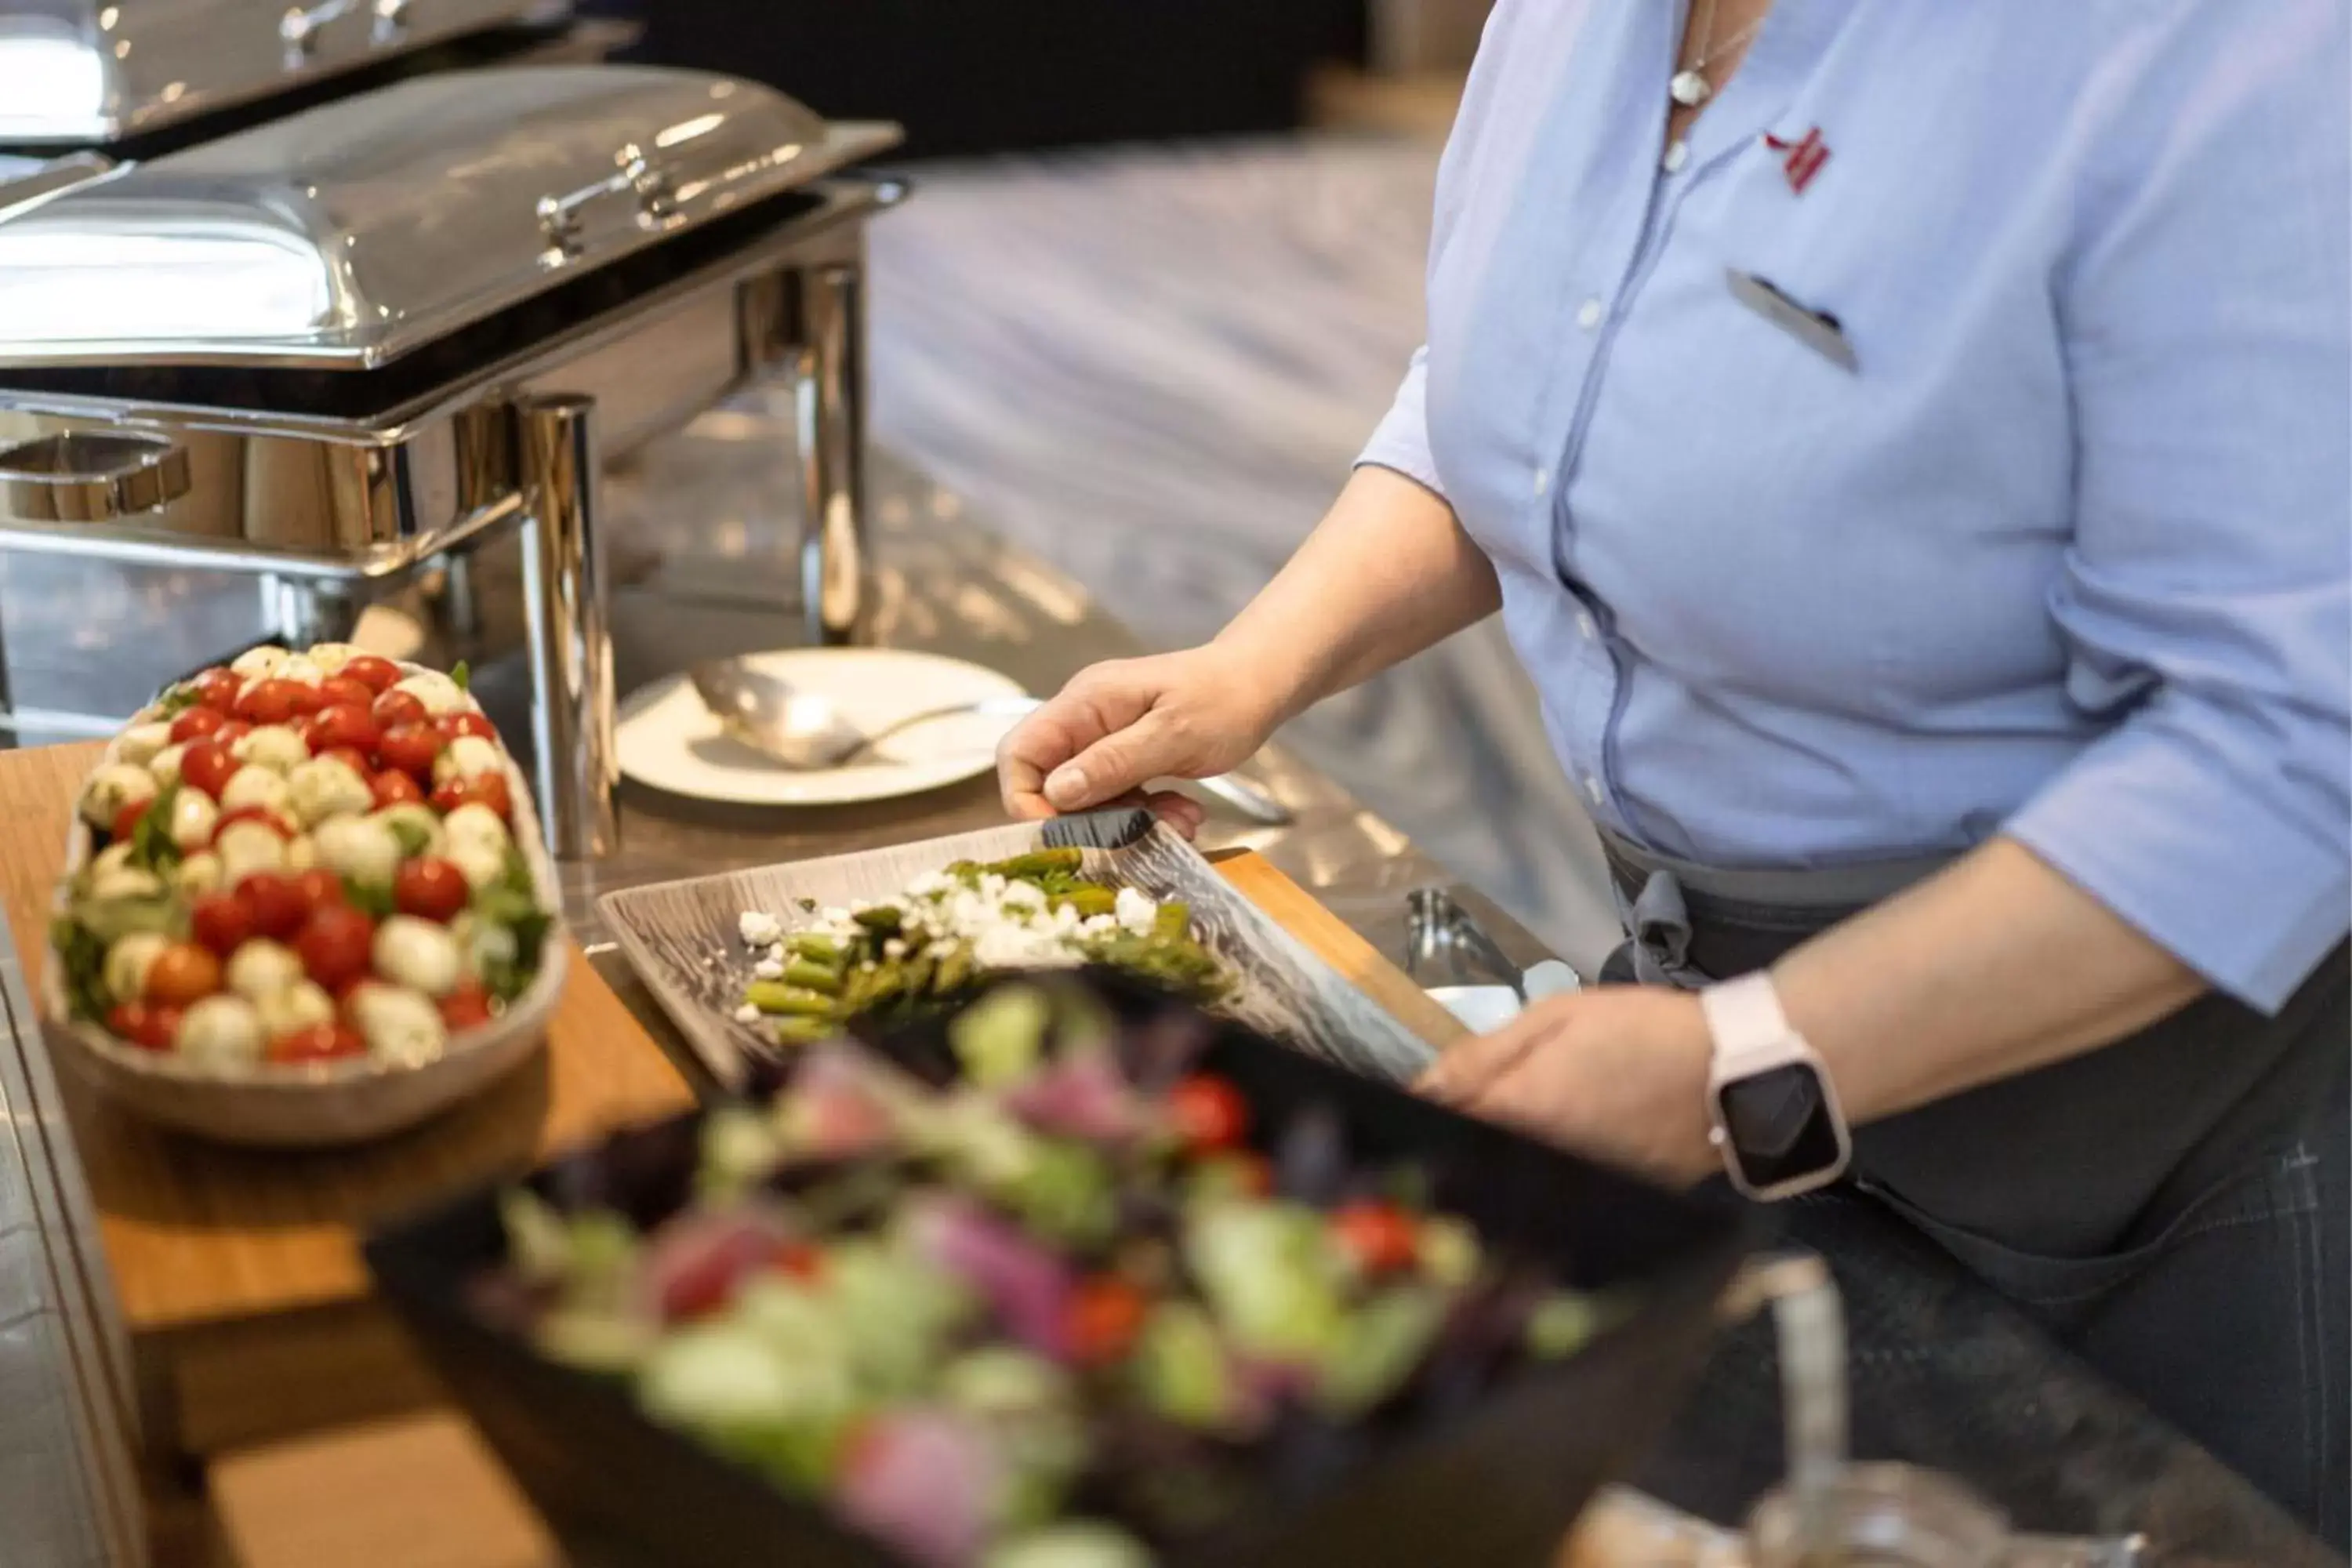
column 1386, row 573
column 1996, row 966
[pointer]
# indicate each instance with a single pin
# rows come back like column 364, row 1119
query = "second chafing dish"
column 341, row 344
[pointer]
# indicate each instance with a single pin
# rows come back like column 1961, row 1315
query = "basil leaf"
column 152, row 847
column 82, row 956
column 461, row 676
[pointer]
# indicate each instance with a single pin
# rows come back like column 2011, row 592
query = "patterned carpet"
column 1154, row 367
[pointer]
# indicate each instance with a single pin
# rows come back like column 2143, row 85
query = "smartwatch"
column 1774, row 1113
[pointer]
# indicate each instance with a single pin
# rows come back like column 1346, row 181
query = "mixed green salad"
column 953, row 929
column 983, row 1307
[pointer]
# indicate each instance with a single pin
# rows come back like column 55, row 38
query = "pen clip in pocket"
column 1817, row 330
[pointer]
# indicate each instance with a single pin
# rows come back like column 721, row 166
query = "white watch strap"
column 1749, row 1029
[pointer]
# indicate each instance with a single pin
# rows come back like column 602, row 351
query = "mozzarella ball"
column 106, row 862
column 467, row 756
column 113, row 786
column 331, row 656
column 416, row 952
column 481, row 864
column 359, row 847
column 327, row 786
column 256, row 662
column 292, row 1007
column 254, row 784
column 483, row 945
column 303, row 669
column 221, row 1031
column 260, row 968
column 128, row 961
column 138, row 746
column 198, row 874
column 399, row 1025
column 165, row 765
column 193, row 818
column 474, row 823
column 281, row 748
column 245, row 847
column 301, row 852
column 438, row 693
column 415, row 825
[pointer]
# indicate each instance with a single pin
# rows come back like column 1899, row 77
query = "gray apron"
column 2174, row 1207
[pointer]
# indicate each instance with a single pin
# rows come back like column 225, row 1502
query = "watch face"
column 1778, row 1126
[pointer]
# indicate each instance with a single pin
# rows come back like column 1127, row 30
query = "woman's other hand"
column 1118, row 726
column 1618, row 1073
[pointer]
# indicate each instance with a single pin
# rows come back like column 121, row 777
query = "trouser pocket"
column 2230, row 1323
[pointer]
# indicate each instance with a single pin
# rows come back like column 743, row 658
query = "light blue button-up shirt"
column 2065, row 555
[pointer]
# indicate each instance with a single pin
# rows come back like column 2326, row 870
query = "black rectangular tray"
column 1495, row 1484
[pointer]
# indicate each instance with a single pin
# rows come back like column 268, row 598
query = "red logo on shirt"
column 1800, row 160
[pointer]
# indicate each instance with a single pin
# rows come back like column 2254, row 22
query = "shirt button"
column 1584, row 627
column 1592, row 788
column 1589, row 315
column 1543, row 481
column 1676, row 156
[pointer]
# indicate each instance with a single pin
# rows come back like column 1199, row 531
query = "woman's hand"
column 1619, row 1074
column 1116, row 726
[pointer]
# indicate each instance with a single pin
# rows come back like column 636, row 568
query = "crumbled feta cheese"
column 767, row 969
column 746, row 1014
column 759, row 929
column 1024, row 896
column 1135, row 912
column 930, row 884
column 894, row 948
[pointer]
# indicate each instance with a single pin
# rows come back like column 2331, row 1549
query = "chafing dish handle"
column 91, row 477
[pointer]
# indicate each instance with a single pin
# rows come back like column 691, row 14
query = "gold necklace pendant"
column 1690, row 88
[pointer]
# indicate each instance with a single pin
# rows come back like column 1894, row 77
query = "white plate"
column 669, row 741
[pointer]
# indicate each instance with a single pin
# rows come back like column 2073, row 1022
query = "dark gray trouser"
column 2175, row 1209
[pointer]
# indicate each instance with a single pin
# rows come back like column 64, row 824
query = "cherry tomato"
column 351, row 757
column 482, row 789
column 800, row 1260
column 272, row 820
column 1378, row 1235
column 342, row 692
column 220, row 922
column 700, row 1270
column 430, row 889
column 317, row 1043
column 1207, row 1113
column 378, row 675
column 346, row 725
column 230, row 733
column 273, row 701
column 452, row 725
column 391, row 786
column 321, row 889
column 390, row 709
column 334, row 943
column 126, row 821
column 216, row 688
column 1105, row 1315
column 275, row 903
column 466, row 1008
column 144, row 1024
column 182, row 974
column 195, row 724
column 208, row 765
column 411, row 748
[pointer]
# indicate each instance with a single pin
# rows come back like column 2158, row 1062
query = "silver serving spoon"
column 807, row 732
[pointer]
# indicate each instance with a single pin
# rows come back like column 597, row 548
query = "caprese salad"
column 300, row 857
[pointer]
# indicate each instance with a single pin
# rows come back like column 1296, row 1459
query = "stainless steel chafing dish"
column 87, row 73
column 337, row 347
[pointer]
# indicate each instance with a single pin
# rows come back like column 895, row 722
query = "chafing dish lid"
column 85, row 72
column 347, row 236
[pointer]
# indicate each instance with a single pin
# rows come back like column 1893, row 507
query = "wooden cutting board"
column 237, row 1273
